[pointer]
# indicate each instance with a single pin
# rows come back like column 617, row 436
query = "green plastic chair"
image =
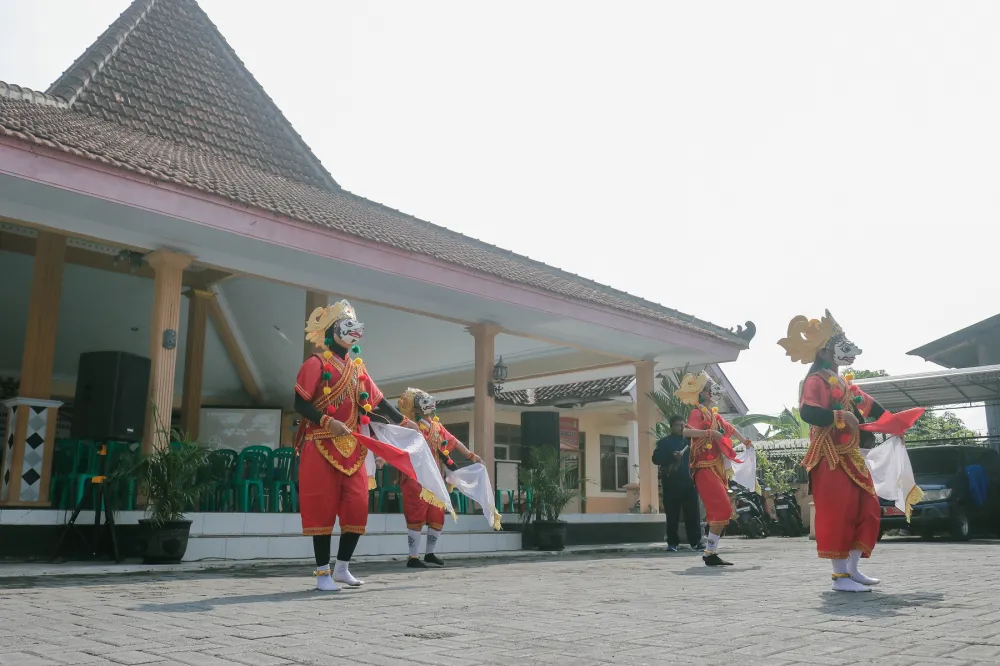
column 385, row 489
column 86, row 465
column 253, row 466
column 283, row 478
column 499, row 499
column 126, row 494
column 62, row 469
column 220, row 495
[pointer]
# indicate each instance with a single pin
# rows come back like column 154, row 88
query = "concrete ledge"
column 34, row 570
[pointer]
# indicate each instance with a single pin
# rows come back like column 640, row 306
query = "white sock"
column 432, row 540
column 839, row 566
column 857, row 576
column 713, row 543
column 342, row 574
column 413, row 541
column 324, row 581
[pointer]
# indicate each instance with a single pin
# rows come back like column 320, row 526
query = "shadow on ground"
column 875, row 604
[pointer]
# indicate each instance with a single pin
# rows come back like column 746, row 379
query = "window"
column 507, row 441
column 614, row 462
column 460, row 431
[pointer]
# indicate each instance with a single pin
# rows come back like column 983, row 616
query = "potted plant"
column 544, row 481
column 170, row 479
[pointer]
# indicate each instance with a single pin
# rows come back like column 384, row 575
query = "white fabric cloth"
column 425, row 467
column 745, row 472
column 892, row 475
column 474, row 482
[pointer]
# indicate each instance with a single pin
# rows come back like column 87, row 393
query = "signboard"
column 569, row 434
column 237, row 429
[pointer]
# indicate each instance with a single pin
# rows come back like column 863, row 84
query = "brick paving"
column 937, row 606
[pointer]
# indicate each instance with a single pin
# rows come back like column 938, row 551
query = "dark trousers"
column 676, row 500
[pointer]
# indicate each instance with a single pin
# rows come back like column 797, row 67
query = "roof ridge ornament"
column 747, row 333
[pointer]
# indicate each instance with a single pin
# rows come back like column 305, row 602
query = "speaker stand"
column 100, row 499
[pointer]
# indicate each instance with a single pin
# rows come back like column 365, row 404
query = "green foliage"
column 786, row 425
column 932, row 425
column 667, row 403
column 779, row 474
column 171, row 479
column 551, row 487
column 867, row 374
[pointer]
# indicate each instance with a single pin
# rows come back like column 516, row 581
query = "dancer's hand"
column 850, row 420
column 379, row 463
column 475, row 458
column 412, row 425
column 714, row 435
column 336, row 428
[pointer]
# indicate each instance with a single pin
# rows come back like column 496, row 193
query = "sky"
column 735, row 161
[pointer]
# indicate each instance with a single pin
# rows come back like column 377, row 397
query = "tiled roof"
column 163, row 68
column 161, row 94
column 561, row 394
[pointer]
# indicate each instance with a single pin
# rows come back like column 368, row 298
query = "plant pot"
column 550, row 534
column 165, row 543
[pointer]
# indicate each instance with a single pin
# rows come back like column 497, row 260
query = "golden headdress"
column 806, row 337
column 405, row 402
column 691, row 387
column 323, row 318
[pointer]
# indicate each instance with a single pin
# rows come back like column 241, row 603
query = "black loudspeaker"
column 539, row 429
column 111, row 393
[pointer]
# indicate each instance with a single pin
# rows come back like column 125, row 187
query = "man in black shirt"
column 679, row 493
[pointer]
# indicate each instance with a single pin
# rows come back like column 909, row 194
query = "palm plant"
column 550, row 485
column 786, row 425
column 667, row 403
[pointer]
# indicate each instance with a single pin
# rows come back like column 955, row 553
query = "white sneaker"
column 342, row 574
column 324, row 581
column 848, row 584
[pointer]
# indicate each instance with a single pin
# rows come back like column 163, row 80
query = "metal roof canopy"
column 965, row 386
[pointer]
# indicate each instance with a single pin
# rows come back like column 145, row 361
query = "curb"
column 70, row 569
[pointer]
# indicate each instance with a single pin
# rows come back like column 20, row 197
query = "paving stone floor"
column 938, row 605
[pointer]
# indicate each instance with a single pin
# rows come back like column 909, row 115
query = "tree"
column 667, row 403
column 779, row 474
column 931, row 426
column 786, row 425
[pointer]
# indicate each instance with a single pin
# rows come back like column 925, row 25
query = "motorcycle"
column 750, row 519
column 788, row 515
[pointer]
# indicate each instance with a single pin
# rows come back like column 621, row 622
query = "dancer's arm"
column 305, row 386
column 455, row 444
column 813, row 409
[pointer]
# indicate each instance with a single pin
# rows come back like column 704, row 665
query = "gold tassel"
column 496, row 520
column 432, row 499
column 912, row 497
column 372, row 483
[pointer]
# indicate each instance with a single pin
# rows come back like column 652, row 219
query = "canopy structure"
column 966, row 386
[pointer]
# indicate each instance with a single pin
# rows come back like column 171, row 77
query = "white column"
column 633, row 453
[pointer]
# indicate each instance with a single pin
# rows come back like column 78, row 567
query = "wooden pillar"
column 645, row 414
column 169, row 271
column 484, row 409
column 29, row 442
column 194, row 360
column 314, row 299
column 43, row 317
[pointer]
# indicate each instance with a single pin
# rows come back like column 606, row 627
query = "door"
column 569, row 461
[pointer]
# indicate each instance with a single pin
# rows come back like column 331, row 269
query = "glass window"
column 507, row 436
column 460, row 431
column 614, row 462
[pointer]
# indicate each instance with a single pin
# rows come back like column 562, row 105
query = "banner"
column 745, row 469
column 892, row 475
column 407, row 451
column 474, row 482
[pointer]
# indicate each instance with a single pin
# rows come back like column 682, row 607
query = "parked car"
column 961, row 487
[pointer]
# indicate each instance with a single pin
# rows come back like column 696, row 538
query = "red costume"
column 333, row 482
column 847, row 509
column 416, row 511
column 708, row 466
